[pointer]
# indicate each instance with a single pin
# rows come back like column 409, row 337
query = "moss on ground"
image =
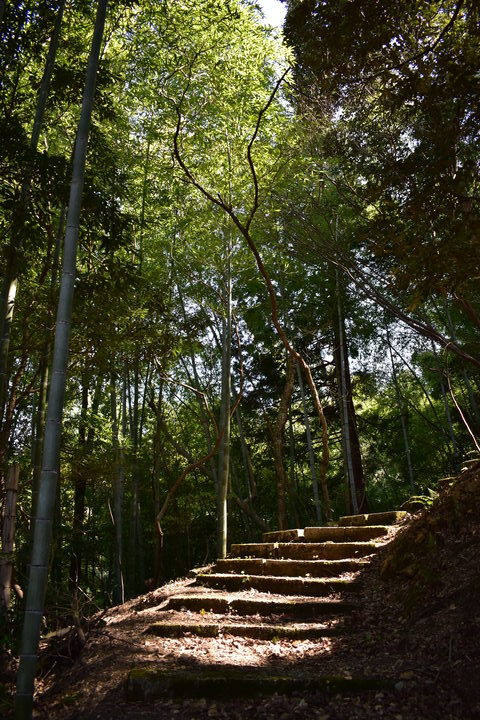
column 147, row 684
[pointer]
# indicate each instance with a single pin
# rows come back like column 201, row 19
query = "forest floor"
column 418, row 623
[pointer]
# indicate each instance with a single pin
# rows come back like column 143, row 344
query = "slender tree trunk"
column 80, row 483
column 436, row 426
column 247, row 505
column 86, row 438
column 311, row 454
column 422, row 386
column 251, row 513
column 224, row 450
column 56, row 571
column 41, row 409
column 8, row 427
column 196, row 383
column 120, row 487
column 46, row 500
column 246, row 459
column 235, row 495
column 146, row 170
column 350, row 440
column 143, row 407
column 8, row 537
column 278, row 431
column 448, row 414
column 468, row 309
column 403, row 419
column 292, row 470
column 137, row 572
column 134, row 539
column 8, row 304
column 158, row 454
column 118, row 585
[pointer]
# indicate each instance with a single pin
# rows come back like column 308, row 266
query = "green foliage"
column 401, row 92
column 366, row 173
column 420, row 502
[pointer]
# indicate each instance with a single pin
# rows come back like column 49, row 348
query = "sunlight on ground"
column 236, row 651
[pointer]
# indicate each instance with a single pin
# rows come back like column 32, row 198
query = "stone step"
column 148, row 684
column 254, row 550
column 297, row 607
column 310, row 631
column 325, row 551
column 344, row 534
column 315, row 587
column 384, row 518
column 289, row 568
column 323, row 533
column 304, row 551
column 283, row 536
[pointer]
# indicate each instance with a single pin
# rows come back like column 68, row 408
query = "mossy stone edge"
column 144, row 684
column 258, row 632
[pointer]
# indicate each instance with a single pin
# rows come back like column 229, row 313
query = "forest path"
column 413, row 623
column 295, row 585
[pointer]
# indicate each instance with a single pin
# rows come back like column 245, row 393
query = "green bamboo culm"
column 38, row 575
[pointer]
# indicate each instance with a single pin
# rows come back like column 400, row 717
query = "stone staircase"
column 296, row 584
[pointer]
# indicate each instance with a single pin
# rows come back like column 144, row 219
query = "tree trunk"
column 277, row 433
column 204, row 419
column 118, row 586
column 453, row 439
column 80, row 483
column 80, row 476
column 8, row 537
column 251, row 513
column 46, row 500
column 224, row 450
column 292, row 470
column 136, row 574
column 350, row 439
column 8, row 304
column 119, row 488
column 14, row 395
column 158, row 454
column 196, row 383
column 41, row 410
column 403, row 419
column 246, row 460
column 311, row 454
column 247, row 505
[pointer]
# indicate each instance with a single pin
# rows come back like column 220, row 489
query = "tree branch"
column 244, row 230
column 430, row 48
column 250, row 145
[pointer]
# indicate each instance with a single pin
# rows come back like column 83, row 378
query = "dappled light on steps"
column 297, row 585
